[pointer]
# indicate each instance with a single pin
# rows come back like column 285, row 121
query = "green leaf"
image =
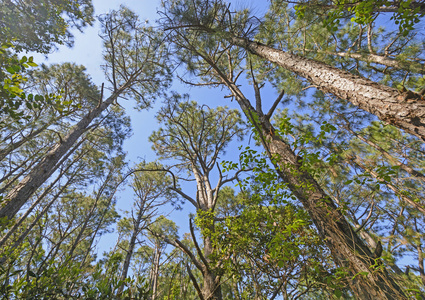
column 338, row 293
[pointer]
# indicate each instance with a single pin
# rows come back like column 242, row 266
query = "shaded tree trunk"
column 211, row 288
column 347, row 248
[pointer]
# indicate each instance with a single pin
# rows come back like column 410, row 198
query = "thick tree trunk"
column 403, row 110
column 211, row 288
column 43, row 170
column 347, row 248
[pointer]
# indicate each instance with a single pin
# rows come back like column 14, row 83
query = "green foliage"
column 136, row 57
column 14, row 101
column 39, row 25
column 405, row 13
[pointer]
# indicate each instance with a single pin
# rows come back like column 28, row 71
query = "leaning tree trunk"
column 368, row 278
column 403, row 110
column 17, row 197
column 348, row 250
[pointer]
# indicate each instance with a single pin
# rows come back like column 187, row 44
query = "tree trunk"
column 211, row 288
column 15, row 145
column 17, row 197
column 155, row 273
column 15, row 226
column 403, row 110
column 347, row 248
column 421, row 263
column 129, row 254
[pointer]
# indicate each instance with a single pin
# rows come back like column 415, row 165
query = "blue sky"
column 87, row 51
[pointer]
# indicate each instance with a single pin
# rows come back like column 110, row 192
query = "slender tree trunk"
column 411, row 66
column 18, row 196
column 13, row 146
column 39, row 199
column 88, row 218
column 405, row 111
column 130, row 251
column 421, row 263
column 155, row 273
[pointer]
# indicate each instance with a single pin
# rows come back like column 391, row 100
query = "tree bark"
column 130, row 251
column 211, row 288
column 155, row 273
column 347, row 248
column 18, row 196
column 15, row 226
column 403, row 110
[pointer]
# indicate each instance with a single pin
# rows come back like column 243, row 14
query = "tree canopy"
column 296, row 172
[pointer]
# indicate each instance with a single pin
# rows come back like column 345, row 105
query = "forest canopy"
column 298, row 166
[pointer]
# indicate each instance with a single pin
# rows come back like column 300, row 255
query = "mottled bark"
column 211, row 288
column 18, row 196
column 403, row 110
column 347, row 248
